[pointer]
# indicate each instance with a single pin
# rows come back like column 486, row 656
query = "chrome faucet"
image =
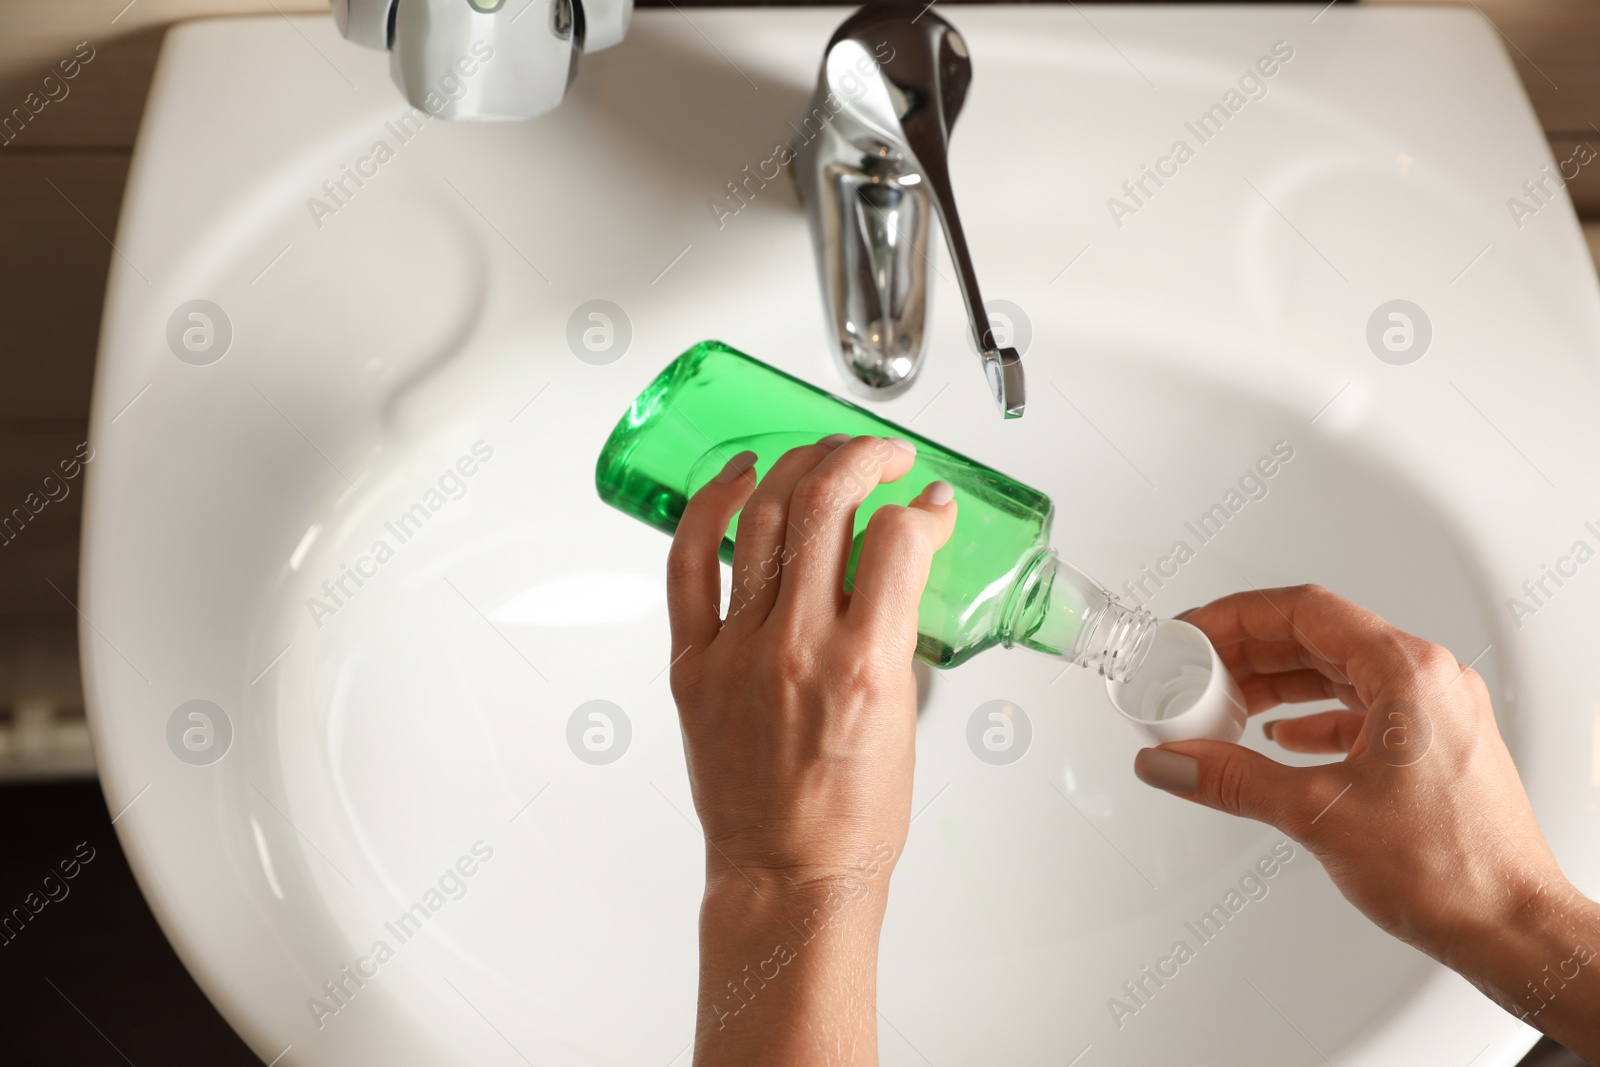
column 484, row 60
column 873, row 173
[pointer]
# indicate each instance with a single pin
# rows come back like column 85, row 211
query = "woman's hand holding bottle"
column 798, row 713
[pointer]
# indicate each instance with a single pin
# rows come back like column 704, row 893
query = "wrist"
column 1540, row 957
column 856, row 872
column 751, row 898
column 776, row 950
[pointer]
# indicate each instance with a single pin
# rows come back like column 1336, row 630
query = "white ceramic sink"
column 374, row 747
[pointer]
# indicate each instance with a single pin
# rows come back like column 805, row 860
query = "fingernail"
column 901, row 442
column 1172, row 771
column 736, row 466
column 1268, row 727
column 834, row 440
column 939, row 493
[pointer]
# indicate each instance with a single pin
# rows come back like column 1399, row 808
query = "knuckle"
column 795, row 456
column 867, row 455
column 1228, row 781
column 858, row 675
column 858, row 667
column 897, row 525
column 748, row 583
column 787, row 657
column 762, row 517
column 822, row 493
column 681, row 562
column 685, row 679
column 1432, row 663
column 1472, row 684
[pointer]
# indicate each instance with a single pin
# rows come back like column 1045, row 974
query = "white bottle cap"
column 1181, row 692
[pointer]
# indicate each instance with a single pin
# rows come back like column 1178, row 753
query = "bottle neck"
column 1056, row 609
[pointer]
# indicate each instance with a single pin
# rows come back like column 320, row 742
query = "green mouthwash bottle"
column 996, row 582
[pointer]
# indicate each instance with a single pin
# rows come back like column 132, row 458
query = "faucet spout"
column 893, row 80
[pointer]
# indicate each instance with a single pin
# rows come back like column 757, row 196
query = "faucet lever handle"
column 890, row 131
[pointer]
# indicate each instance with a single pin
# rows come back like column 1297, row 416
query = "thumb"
column 1232, row 779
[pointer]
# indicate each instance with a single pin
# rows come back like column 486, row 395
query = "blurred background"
column 61, row 183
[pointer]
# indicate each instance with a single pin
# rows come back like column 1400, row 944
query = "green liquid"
column 994, row 582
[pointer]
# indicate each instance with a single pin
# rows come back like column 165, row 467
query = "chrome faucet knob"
column 484, row 60
column 873, row 171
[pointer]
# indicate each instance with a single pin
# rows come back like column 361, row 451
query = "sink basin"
column 351, row 779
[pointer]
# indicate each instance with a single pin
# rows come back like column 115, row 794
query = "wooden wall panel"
column 1578, row 159
column 59, row 209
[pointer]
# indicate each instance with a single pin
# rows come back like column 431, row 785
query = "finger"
column 896, row 555
column 1254, row 656
column 1347, row 642
column 1307, row 615
column 758, row 539
column 1263, row 691
column 693, row 575
column 1251, row 656
column 822, row 516
column 1240, row 781
column 1325, row 731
